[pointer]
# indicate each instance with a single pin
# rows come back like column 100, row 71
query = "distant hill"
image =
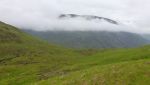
column 146, row 36
column 91, row 39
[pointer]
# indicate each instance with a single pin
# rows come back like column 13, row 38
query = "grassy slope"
column 25, row 60
column 125, row 73
column 114, row 67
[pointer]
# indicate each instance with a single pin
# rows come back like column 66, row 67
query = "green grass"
column 125, row 73
column 26, row 60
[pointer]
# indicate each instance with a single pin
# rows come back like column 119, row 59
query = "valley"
column 28, row 60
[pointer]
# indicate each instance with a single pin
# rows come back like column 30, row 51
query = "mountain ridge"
column 91, row 39
column 87, row 17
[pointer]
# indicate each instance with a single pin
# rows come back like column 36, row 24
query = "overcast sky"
column 41, row 14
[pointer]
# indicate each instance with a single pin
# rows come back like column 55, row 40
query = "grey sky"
column 41, row 14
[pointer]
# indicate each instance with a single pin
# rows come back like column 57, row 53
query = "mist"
column 42, row 15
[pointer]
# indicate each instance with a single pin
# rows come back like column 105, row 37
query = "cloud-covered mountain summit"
column 87, row 17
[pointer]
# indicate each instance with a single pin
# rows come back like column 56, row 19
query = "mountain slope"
column 23, row 57
column 146, row 36
column 15, row 43
column 91, row 39
column 8, row 34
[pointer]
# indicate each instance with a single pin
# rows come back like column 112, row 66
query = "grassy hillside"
column 29, row 61
column 15, row 44
column 111, row 67
column 23, row 53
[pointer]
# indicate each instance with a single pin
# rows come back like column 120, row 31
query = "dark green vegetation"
column 25, row 60
column 91, row 39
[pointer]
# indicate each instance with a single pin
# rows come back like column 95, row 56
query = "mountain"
column 91, row 39
column 87, row 31
column 146, row 36
column 19, row 48
column 87, row 17
column 26, row 60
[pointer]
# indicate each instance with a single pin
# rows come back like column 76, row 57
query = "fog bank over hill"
column 75, row 22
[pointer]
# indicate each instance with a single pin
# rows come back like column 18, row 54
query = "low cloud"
column 42, row 14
